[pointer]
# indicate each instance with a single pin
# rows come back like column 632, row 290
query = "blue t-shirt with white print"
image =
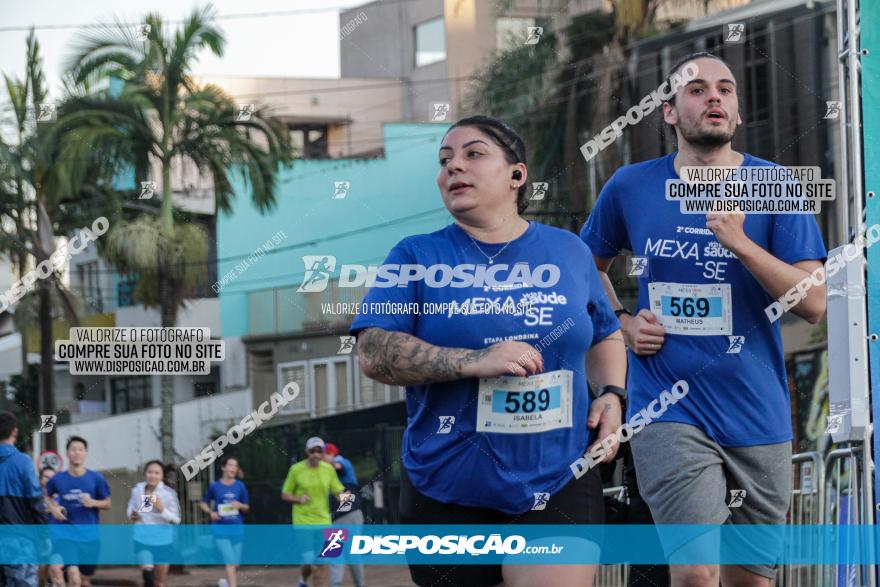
column 738, row 390
column 448, row 459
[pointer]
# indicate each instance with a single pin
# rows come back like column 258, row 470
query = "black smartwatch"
column 622, row 311
column 618, row 391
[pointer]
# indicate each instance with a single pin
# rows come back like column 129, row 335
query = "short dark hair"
column 155, row 462
column 76, row 439
column 44, row 469
column 687, row 59
column 8, row 423
column 508, row 139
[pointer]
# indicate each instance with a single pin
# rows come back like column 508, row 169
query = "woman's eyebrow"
column 468, row 144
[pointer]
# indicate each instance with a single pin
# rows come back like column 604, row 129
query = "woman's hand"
column 509, row 357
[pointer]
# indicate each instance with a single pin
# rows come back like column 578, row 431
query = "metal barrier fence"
column 613, row 575
column 806, row 507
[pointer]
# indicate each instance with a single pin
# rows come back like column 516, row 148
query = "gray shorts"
column 687, row 478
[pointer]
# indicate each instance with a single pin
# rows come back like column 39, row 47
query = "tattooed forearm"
column 397, row 358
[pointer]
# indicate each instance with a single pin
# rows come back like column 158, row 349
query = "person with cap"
column 307, row 486
column 346, row 513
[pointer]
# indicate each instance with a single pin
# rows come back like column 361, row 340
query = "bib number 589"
column 529, row 402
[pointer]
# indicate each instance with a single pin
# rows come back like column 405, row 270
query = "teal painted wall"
column 398, row 191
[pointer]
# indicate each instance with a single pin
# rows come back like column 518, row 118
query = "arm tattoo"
column 397, row 358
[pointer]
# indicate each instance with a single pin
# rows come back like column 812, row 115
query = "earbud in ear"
column 517, row 174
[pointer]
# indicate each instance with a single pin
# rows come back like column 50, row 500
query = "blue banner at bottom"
column 459, row 544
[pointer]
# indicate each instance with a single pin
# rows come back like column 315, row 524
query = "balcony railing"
column 284, row 309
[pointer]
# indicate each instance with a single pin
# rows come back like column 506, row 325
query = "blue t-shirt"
column 737, row 399
column 220, row 493
column 70, row 490
column 346, row 475
column 501, row 471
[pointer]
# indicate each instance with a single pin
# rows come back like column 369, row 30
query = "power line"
column 236, row 16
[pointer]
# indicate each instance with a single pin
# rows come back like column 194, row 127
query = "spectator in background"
column 348, row 513
column 21, row 502
column 225, row 501
column 77, row 497
column 307, row 486
column 153, row 504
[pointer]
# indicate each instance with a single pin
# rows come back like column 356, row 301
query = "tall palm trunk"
column 168, row 309
column 47, row 397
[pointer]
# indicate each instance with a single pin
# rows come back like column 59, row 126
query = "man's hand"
column 508, row 357
column 87, row 501
column 728, row 229
column 606, row 413
column 236, row 504
column 303, row 499
column 643, row 333
column 215, row 516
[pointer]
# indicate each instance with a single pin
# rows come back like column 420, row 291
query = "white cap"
column 314, row 442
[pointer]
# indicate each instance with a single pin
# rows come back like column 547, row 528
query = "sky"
column 304, row 44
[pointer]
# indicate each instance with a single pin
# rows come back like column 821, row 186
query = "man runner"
column 733, row 431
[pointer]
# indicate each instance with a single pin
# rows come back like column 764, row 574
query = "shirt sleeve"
column 401, row 254
column 796, row 237
column 102, row 488
column 209, row 494
column 336, row 485
column 599, row 307
column 605, row 231
column 243, row 498
column 133, row 501
column 290, row 482
column 171, row 513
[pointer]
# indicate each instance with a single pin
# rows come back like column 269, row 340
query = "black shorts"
column 578, row 502
column 72, row 552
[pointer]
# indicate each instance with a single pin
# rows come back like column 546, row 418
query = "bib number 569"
column 529, row 402
column 689, row 307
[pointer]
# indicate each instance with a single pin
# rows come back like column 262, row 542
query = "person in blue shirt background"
column 21, row 502
column 704, row 283
column 497, row 401
column 352, row 515
column 77, row 496
column 226, row 500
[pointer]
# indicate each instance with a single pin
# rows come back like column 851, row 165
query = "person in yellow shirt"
column 307, row 487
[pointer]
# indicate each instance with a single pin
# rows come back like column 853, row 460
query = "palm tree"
column 46, row 193
column 162, row 117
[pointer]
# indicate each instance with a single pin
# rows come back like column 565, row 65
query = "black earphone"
column 517, row 174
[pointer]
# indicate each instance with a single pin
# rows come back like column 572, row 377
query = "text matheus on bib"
column 512, row 436
column 718, row 337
